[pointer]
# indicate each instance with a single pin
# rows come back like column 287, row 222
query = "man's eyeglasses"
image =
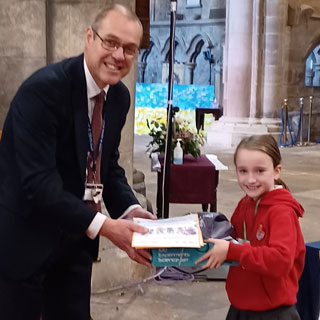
column 112, row 45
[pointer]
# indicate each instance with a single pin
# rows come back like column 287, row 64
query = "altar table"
column 195, row 181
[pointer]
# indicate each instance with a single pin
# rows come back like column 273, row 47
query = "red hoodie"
column 271, row 264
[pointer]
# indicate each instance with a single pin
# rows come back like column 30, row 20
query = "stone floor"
column 206, row 299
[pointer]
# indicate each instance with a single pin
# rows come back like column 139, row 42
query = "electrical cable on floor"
column 173, row 274
column 132, row 284
column 164, row 275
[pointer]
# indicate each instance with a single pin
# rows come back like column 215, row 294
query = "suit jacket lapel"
column 80, row 107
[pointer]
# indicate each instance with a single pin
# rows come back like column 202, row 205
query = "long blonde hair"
column 265, row 143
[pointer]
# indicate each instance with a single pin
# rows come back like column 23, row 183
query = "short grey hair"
column 126, row 11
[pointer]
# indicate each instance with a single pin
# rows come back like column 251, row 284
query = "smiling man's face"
column 110, row 66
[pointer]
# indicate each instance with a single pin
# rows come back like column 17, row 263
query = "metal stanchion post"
column 309, row 122
column 301, row 143
column 285, row 121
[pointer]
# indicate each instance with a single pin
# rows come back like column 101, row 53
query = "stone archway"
column 148, row 72
column 179, row 60
column 142, row 64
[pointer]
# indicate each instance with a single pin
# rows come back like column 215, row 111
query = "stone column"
column 238, row 64
column 276, row 14
column 22, row 45
column 218, row 83
column 253, row 81
column 237, row 75
column 141, row 70
column 188, row 74
column 257, row 50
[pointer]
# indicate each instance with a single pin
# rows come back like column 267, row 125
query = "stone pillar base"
column 115, row 269
column 228, row 132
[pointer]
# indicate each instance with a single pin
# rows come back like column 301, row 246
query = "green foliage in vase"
column 191, row 141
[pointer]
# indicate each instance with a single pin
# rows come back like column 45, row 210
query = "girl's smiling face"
column 255, row 172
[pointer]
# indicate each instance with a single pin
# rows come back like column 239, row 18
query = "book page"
column 177, row 232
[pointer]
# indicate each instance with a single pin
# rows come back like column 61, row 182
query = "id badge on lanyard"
column 93, row 190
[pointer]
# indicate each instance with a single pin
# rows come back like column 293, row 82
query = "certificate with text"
column 177, row 232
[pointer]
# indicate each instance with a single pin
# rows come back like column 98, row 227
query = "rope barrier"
column 285, row 124
column 293, row 139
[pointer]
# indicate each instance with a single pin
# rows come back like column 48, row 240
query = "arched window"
column 312, row 72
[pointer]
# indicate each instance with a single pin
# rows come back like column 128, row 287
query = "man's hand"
column 140, row 213
column 119, row 232
column 217, row 255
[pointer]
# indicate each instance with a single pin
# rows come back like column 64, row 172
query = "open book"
column 177, row 232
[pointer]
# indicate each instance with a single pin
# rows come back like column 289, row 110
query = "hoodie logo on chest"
column 260, row 233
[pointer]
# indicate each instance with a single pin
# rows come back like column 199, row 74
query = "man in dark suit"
column 47, row 230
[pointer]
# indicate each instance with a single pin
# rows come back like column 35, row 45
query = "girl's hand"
column 217, row 255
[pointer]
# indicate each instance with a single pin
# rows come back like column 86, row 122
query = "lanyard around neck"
column 94, row 155
column 244, row 222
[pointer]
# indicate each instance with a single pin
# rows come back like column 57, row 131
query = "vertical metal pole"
column 309, row 122
column 301, row 122
column 210, row 64
column 167, row 154
column 285, row 121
